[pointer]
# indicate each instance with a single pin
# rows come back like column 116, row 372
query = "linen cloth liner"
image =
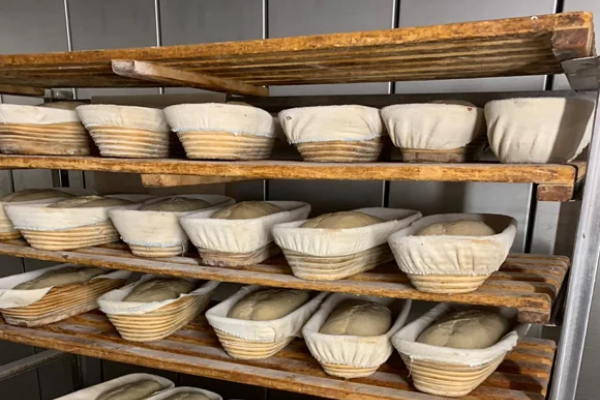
column 93, row 392
column 17, row 114
column 184, row 389
column 108, row 115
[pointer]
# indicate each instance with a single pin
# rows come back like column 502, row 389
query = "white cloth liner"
column 342, row 242
column 261, row 331
column 405, row 342
column 17, row 114
column 356, row 351
column 331, row 123
column 185, row 389
column 433, row 126
column 10, row 298
column 93, row 392
column 452, row 255
column 218, row 117
column 108, row 115
column 38, row 217
column 241, row 235
column 7, row 226
column 539, row 130
column 160, row 228
column 112, row 303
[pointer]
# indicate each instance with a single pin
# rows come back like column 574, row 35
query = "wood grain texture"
column 528, row 283
column 154, row 72
column 508, row 47
column 556, row 182
column 195, row 350
column 20, row 90
column 164, row 180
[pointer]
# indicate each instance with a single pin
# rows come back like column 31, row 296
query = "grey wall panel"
column 112, row 24
column 507, row 199
column 294, row 18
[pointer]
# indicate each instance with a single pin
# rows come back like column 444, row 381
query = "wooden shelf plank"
column 509, row 47
column 556, row 182
column 528, row 283
column 154, row 72
column 195, row 350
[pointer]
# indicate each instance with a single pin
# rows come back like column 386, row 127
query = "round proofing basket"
column 314, row 268
column 351, row 151
column 468, row 153
column 220, row 145
column 244, row 349
column 61, row 302
column 236, row 260
column 159, row 324
column 158, row 252
column 122, row 142
column 74, row 238
column 60, row 139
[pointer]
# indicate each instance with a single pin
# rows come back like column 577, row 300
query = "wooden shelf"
column 195, row 350
column 509, row 47
column 528, row 283
column 555, row 182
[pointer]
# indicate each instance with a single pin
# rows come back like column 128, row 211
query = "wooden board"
column 555, row 182
column 528, row 283
column 195, row 350
column 509, row 47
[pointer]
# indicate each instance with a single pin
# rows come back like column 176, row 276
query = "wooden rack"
column 524, row 375
column 555, row 182
column 529, row 283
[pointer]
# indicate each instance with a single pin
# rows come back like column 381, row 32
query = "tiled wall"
column 57, row 25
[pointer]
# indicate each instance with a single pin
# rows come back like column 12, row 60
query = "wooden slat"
column 556, row 182
column 154, row 72
column 528, row 283
column 509, row 47
column 21, row 90
column 195, row 350
column 163, row 180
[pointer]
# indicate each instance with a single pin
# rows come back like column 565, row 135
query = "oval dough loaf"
column 268, row 304
column 60, row 277
column 132, row 391
column 472, row 329
column 176, row 204
column 159, row 289
column 34, row 194
column 358, row 318
column 188, row 396
column 342, row 220
column 461, row 227
column 90, row 201
column 247, row 210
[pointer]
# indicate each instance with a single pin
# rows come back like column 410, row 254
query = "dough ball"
column 188, row 396
column 454, row 102
column 247, row 210
column 64, row 105
column 268, row 304
column 34, row 194
column 472, row 329
column 358, row 318
column 89, row 202
column 176, row 204
column 461, row 227
column 132, row 391
column 342, row 220
column 60, row 277
column 159, row 289
column 238, row 103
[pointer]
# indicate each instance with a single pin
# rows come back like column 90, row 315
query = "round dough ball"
column 188, row 396
column 61, row 277
column 139, row 390
column 159, row 289
column 461, row 227
column 34, row 194
column 89, row 202
column 472, row 329
column 453, row 102
column 176, row 204
column 358, row 318
column 342, row 220
column 247, row 210
column 268, row 304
